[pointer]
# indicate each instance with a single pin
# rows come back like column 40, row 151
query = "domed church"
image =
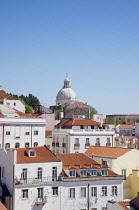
column 66, row 95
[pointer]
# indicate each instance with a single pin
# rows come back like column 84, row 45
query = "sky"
column 96, row 42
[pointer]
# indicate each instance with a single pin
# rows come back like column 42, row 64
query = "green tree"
column 92, row 111
column 29, row 109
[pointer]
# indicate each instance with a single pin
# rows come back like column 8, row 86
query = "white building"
column 80, row 136
column 37, row 179
column 7, row 99
column 22, row 132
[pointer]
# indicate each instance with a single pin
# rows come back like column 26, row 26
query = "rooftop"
column 43, row 154
column 78, row 161
column 110, row 152
column 74, row 122
column 4, row 95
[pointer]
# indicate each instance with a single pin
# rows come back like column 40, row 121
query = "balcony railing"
column 30, row 181
column 53, row 144
column 76, row 146
column 87, row 145
column 57, row 144
column 97, row 144
column 41, row 201
column 63, row 144
column 108, row 144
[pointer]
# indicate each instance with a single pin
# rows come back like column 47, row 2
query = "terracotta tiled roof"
column 124, row 204
column 127, row 137
column 77, row 107
column 78, row 161
column 22, row 114
column 78, row 103
column 43, row 154
column 80, row 122
column 124, row 126
column 48, row 134
column 2, row 207
column 4, row 95
column 111, row 152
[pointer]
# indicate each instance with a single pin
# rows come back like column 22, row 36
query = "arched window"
column 35, row 144
column 7, row 145
column 17, row 145
column 27, row 144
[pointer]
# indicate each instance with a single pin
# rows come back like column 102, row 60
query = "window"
column 72, row 192
column 83, row 172
column 97, row 140
column 7, row 130
column 25, row 194
column 124, row 172
column 17, row 132
column 55, row 190
column 40, row 192
column 94, row 209
column 83, row 192
column 108, row 140
column 27, row 144
column 39, row 173
column 94, row 191
column 54, row 173
column 32, row 153
column 17, row 145
column 14, row 104
column 114, row 190
column 24, row 173
column 104, row 191
column 76, row 140
column 72, row 173
column 35, row 144
column 104, row 208
column 120, row 118
column 7, row 145
column 104, row 172
column 27, row 131
column 35, row 130
column 87, row 140
column 94, row 172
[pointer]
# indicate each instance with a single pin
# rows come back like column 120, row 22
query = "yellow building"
column 134, row 182
column 120, row 160
column 119, row 119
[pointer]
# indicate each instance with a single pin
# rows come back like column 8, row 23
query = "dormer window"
column 72, row 173
column 32, row 153
column 93, row 172
column 83, row 172
column 104, row 172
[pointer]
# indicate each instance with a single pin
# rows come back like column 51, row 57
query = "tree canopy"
column 31, row 102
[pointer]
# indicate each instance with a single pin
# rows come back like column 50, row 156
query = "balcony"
column 97, row 144
column 87, row 145
column 32, row 181
column 63, row 144
column 53, row 144
column 57, row 144
column 76, row 146
column 41, row 201
column 108, row 144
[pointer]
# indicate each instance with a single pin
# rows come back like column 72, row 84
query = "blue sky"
column 95, row 41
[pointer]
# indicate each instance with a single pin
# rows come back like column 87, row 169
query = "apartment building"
column 37, row 179
column 77, row 135
column 120, row 160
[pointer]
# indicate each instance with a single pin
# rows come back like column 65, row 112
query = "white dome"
column 66, row 94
